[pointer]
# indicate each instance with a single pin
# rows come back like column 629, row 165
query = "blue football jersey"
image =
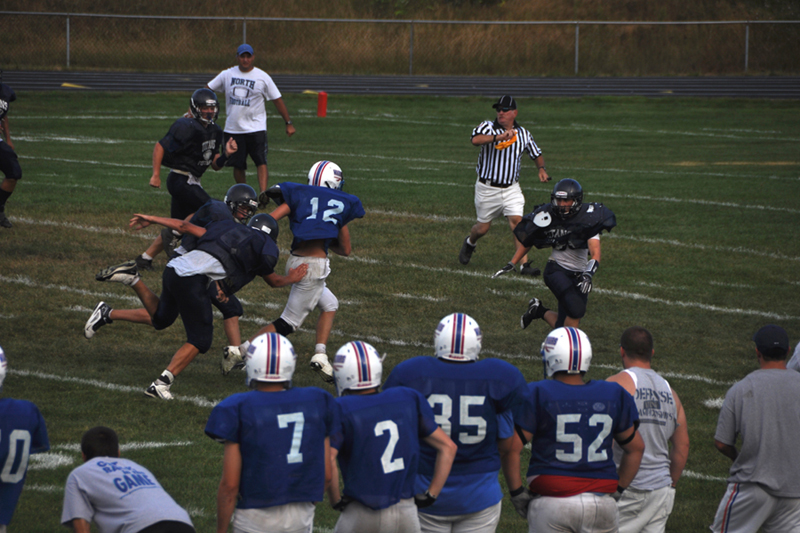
column 318, row 212
column 281, row 436
column 466, row 399
column 573, row 427
column 22, row 432
column 190, row 147
column 378, row 442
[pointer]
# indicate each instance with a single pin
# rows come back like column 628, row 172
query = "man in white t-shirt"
column 247, row 89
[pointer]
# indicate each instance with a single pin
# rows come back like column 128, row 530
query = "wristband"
column 542, row 167
column 620, row 489
column 221, row 159
column 288, row 122
column 517, row 492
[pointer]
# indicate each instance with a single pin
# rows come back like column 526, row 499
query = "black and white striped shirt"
column 501, row 167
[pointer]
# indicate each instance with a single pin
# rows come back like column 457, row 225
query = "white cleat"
column 100, row 317
column 323, row 367
column 231, row 358
column 159, row 389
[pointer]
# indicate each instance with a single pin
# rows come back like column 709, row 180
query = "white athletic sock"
column 320, row 348
column 147, row 257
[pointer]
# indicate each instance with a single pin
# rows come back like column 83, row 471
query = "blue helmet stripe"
column 575, row 349
column 363, row 361
column 273, row 357
column 457, row 343
column 318, row 173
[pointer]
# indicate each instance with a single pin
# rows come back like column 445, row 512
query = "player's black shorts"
column 252, row 144
column 187, row 297
column 9, row 164
column 186, row 198
column 563, row 284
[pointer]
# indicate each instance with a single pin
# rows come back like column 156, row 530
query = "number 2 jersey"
column 22, row 432
column 573, row 428
column 378, row 441
column 281, row 437
column 318, row 212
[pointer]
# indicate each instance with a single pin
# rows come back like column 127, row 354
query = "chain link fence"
column 391, row 47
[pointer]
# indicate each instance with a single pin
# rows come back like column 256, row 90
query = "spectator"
column 647, row 504
column 247, row 89
column 22, row 432
column 118, row 495
column 764, row 484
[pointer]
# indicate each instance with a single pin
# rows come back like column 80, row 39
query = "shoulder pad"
column 594, row 219
column 531, row 229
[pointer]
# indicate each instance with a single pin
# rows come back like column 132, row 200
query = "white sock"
column 469, row 241
column 147, row 257
column 167, row 377
column 319, row 348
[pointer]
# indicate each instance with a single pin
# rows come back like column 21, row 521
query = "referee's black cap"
column 506, row 101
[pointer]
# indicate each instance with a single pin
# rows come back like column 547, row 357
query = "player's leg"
column 12, row 172
column 328, row 305
column 238, row 159
column 258, row 153
column 654, row 513
column 743, row 508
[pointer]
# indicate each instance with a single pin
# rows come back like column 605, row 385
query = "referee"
column 497, row 191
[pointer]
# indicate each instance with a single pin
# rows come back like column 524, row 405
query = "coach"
column 497, row 191
column 247, row 89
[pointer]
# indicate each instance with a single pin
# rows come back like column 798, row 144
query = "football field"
column 706, row 251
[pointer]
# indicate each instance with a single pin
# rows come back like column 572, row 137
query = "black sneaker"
column 4, row 221
column 529, row 270
column 143, row 264
column 466, row 252
column 100, row 317
column 535, row 310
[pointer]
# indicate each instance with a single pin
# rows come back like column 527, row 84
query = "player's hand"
column 139, row 222
column 342, row 503
column 296, row 274
column 424, row 499
column 618, row 494
column 505, row 270
column 231, row 146
column 585, row 283
column 221, row 296
column 521, row 498
column 155, row 181
column 274, row 193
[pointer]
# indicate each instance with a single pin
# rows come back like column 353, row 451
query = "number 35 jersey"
column 318, row 212
column 573, row 427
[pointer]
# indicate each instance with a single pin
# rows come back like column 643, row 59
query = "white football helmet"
column 270, row 359
column 326, row 174
column 3, row 367
column 357, row 366
column 566, row 349
column 458, row 338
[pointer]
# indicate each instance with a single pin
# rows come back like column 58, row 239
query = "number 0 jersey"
column 281, row 436
column 319, row 212
column 573, row 427
column 378, row 443
column 22, row 432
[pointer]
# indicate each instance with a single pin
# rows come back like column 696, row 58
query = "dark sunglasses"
column 505, row 109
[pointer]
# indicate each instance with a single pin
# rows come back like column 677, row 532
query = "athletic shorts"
column 588, row 512
column 306, row 293
column 494, row 202
column 253, row 144
column 9, row 163
column 295, row 517
column 401, row 516
column 186, row 197
column 484, row 521
column 747, row 507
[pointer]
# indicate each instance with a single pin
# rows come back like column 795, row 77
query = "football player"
column 191, row 145
column 378, row 447
column 227, row 252
column 572, row 229
column 9, row 163
column 274, row 432
column 22, row 432
column 318, row 216
column 472, row 402
column 572, row 425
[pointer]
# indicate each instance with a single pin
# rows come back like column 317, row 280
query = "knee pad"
column 283, row 327
column 328, row 301
column 574, row 304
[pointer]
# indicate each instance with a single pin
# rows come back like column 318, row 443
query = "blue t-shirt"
column 472, row 403
column 573, row 427
column 281, row 436
column 378, row 442
column 318, row 212
column 22, row 432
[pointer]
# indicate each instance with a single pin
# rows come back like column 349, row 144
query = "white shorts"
column 484, row 521
column 297, row 517
column 582, row 513
column 399, row 518
column 307, row 293
column 645, row 510
column 747, row 507
column 493, row 202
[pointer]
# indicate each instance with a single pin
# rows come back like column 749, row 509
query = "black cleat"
column 466, row 252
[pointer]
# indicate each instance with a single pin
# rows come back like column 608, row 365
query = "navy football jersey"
column 378, row 442
column 543, row 228
column 7, row 95
column 243, row 251
column 190, row 147
column 22, row 432
column 318, row 212
column 281, row 437
column 573, row 427
column 466, row 399
column 211, row 211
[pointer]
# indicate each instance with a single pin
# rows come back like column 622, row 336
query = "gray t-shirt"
column 794, row 362
column 762, row 408
column 119, row 495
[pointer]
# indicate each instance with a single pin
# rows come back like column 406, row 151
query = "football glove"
column 425, row 499
column 521, row 498
column 342, row 503
column 618, row 494
column 505, row 270
column 263, row 199
column 273, row 193
column 585, row 283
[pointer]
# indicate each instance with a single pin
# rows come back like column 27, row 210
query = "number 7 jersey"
column 318, row 212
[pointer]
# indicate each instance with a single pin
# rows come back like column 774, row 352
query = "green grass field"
column 707, row 250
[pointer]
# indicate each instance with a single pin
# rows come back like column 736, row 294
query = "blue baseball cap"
column 244, row 49
column 771, row 338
